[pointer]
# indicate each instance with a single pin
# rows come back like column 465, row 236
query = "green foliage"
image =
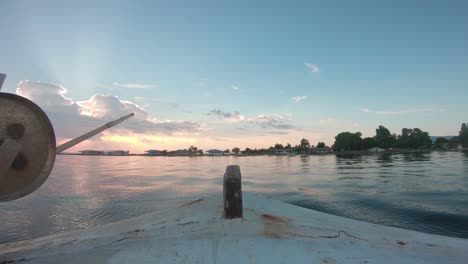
column 369, row 142
column 440, row 141
column 227, row 151
column 413, row 138
column 383, row 138
column 347, row 141
column 288, row 146
column 454, row 141
column 278, row 146
column 236, row 150
column 193, row 150
column 463, row 135
column 297, row 148
column 305, row 145
column 321, row 145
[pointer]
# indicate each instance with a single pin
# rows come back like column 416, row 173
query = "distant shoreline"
column 349, row 152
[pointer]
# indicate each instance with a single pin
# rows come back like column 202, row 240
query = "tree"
column 236, row 150
column 192, row 150
column 200, row 152
column 421, row 138
column 278, row 146
column 347, row 141
column 404, row 140
column 440, row 141
column 248, row 151
column 413, row 138
column 321, row 145
column 453, row 142
column 463, row 135
column 297, row 148
column 226, row 151
column 288, row 146
column 305, row 145
column 368, row 143
column 271, row 150
column 383, row 138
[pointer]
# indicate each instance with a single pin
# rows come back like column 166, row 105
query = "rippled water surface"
column 424, row 192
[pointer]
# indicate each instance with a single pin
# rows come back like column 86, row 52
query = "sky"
column 224, row 74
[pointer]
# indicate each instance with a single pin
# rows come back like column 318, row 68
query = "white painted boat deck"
column 271, row 232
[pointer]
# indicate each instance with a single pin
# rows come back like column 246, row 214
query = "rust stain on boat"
column 274, row 218
column 191, row 203
column 274, row 226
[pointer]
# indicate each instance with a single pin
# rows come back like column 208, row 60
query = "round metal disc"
column 24, row 122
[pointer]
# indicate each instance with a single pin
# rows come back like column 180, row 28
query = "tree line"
column 303, row 146
column 410, row 138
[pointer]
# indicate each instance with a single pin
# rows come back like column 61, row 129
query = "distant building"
column 214, row 152
column 283, row 151
column 92, row 152
column 153, row 152
column 117, row 153
column 325, row 150
column 376, row 150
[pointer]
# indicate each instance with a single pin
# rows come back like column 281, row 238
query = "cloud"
column 399, row 112
column 233, row 117
column 279, row 133
column 142, row 99
column 263, row 121
column 314, row 68
column 275, row 121
column 299, row 98
column 235, row 87
column 328, row 121
column 70, row 118
column 134, row 85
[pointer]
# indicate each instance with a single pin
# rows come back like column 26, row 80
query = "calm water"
column 425, row 192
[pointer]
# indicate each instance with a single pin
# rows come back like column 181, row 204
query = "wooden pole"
column 232, row 193
column 2, row 78
column 96, row 131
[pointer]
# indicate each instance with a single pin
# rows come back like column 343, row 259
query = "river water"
column 424, row 192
